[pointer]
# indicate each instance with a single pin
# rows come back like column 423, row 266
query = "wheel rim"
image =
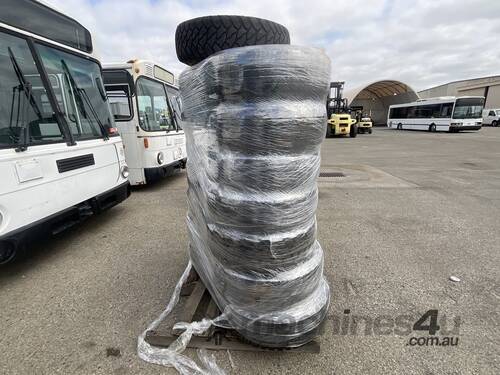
column 7, row 252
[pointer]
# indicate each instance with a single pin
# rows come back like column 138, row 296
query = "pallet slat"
column 196, row 303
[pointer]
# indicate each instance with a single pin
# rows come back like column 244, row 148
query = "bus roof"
column 42, row 20
column 444, row 99
column 144, row 68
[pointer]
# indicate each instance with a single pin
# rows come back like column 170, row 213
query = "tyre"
column 198, row 38
column 272, row 211
column 7, row 252
column 292, row 327
column 239, row 128
column 328, row 131
column 239, row 248
column 354, row 131
column 251, row 287
column 370, row 131
column 268, row 173
column 432, row 128
column 400, row 126
column 494, row 123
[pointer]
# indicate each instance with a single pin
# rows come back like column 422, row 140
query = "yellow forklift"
column 339, row 122
column 364, row 122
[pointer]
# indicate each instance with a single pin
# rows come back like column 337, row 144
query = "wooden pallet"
column 196, row 303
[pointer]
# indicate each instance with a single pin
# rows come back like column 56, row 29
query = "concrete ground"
column 413, row 209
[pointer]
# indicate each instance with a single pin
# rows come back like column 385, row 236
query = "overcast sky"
column 420, row 42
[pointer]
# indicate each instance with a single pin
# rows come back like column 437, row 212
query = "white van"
column 61, row 158
column 146, row 106
column 491, row 117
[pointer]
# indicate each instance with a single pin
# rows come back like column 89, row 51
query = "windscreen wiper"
column 26, row 87
column 175, row 116
column 82, row 95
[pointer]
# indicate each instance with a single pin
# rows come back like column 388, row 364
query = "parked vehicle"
column 438, row 114
column 61, row 158
column 339, row 120
column 341, row 124
column 146, row 107
column 491, row 117
column 365, row 125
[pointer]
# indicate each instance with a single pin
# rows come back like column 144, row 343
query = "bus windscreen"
column 467, row 108
column 39, row 19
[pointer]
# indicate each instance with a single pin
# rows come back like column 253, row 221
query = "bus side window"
column 446, row 109
column 120, row 102
column 436, row 110
column 400, row 112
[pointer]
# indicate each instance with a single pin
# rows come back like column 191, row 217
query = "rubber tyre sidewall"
column 12, row 256
column 354, row 131
column 198, row 38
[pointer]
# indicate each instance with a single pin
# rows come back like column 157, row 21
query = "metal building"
column 375, row 98
column 489, row 87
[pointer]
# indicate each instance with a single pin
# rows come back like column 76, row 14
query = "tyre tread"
column 201, row 37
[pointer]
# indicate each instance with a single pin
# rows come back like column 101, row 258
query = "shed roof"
column 379, row 89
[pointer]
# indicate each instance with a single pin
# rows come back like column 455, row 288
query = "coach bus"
column 146, row 106
column 438, row 114
column 61, row 158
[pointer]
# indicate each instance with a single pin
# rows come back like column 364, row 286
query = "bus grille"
column 69, row 164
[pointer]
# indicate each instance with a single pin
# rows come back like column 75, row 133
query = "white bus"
column 146, row 106
column 61, row 158
column 438, row 114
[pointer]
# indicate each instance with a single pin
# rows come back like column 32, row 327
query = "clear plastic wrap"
column 254, row 119
column 172, row 356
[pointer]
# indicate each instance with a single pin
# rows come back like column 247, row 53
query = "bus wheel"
column 400, row 126
column 370, row 131
column 494, row 123
column 432, row 128
column 7, row 252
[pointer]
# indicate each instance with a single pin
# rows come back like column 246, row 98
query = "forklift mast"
column 335, row 103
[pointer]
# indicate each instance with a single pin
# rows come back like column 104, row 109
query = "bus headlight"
column 160, row 158
column 124, row 171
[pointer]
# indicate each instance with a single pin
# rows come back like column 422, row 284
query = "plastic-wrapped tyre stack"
column 254, row 119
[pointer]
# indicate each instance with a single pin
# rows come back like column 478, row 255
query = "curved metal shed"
column 375, row 98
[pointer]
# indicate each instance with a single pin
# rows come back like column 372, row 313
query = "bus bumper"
column 467, row 127
column 62, row 220
column 154, row 174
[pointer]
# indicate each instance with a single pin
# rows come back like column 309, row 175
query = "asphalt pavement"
column 406, row 211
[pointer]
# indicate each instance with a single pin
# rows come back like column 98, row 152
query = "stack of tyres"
column 254, row 118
